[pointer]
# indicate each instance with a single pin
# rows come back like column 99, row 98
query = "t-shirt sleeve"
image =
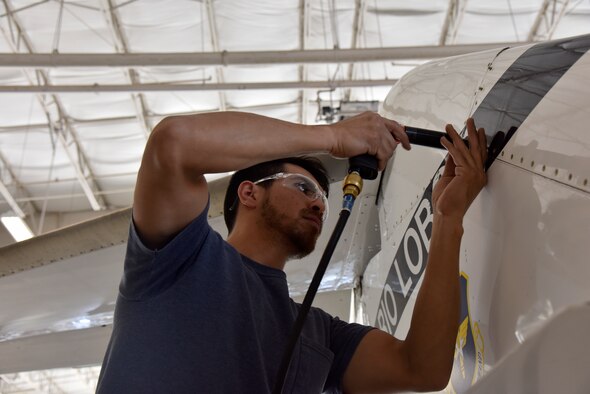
column 148, row 272
column 344, row 339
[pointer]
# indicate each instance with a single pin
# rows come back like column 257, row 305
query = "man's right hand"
column 368, row 133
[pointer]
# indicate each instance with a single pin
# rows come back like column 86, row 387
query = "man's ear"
column 248, row 194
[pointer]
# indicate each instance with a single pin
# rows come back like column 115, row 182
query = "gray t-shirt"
column 198, row 317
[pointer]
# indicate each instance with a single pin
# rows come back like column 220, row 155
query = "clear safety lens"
column 302, row 184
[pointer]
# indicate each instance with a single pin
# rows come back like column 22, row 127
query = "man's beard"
column 301, row 238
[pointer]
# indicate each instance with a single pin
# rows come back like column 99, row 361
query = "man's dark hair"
column 261, row 170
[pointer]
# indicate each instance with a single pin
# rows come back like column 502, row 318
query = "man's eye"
column 301, row 186
column 304, row 188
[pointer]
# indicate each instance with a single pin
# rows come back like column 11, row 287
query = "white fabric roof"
column 106, row 132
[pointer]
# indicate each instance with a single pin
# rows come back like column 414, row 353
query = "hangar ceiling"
column 82, row 83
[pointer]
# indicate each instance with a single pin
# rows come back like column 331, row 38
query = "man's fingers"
column 474, row 143
column 449, row 169
column 483, row 144
column 391, row 144
column 458, row 158
column 384, row 154
column 456, row 147
column 385, row 151
column 477, row 143
column 398, row 132
column 390, row 136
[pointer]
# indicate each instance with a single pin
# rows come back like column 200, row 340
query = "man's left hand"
column 464, row 174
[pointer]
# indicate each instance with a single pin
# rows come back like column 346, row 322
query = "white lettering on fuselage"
column 407, row 267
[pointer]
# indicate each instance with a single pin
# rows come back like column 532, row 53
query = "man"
column 197, row 314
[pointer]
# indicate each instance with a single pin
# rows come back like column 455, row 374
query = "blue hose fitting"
column 347, row 202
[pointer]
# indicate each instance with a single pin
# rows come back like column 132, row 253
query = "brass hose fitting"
column 353, row 184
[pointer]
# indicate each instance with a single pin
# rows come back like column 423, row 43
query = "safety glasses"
column 301, row 183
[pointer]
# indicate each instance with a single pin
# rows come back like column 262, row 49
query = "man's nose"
column 318, row 205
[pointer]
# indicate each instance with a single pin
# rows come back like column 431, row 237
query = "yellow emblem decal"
column 469, row 349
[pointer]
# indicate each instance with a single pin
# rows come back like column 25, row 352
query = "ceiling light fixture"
column 17, row 227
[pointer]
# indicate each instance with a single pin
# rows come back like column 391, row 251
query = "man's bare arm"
column 171, row 190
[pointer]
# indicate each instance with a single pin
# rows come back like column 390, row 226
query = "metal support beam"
column 112, row 18
column 115, row 119
column 302, row 69
column 309, row 56
column 80, row 167
column 357, row 31
column 89, row 375
column 45, row 376
column 452, row 22
column 215, row 44
column 64, row 129
column 11, row 201
column 6, row 193
column 40, row 381
column 170, row 87
column 549, row 16
column 12, row 382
